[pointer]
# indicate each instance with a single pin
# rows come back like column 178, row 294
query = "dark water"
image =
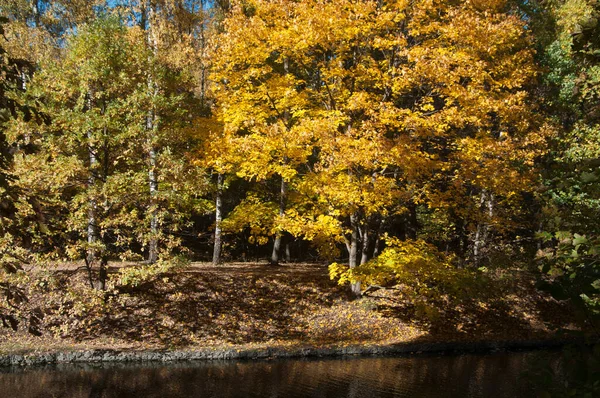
column 491, row 375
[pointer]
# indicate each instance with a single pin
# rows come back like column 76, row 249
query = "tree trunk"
column 481, row 234
column 218, row 218
column 377, row 238
column 103, row 270
column 288, row 254
column 353, row 251
column 278, row 235
column 151, row 125
column 23, row 80
column 102, row 274
column 276, row 248
column 283, row 189
column 35, row 10
column 365, row 245
column 490, row 215
column 477, row 244
column 92, row 233
column 153, row 183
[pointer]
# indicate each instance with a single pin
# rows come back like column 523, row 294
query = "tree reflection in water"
column 491, row 375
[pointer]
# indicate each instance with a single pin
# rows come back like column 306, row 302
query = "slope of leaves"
column 248, row 304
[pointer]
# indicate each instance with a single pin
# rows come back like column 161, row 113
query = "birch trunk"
column 151, row 125
column 153, row 183
column 478, row 234
column 283, row 190
column 91, row 225
column 353, row 251
column 35, row 10
column 92, row 235
column 278, row 235
column 482, row 232
column 218, row 218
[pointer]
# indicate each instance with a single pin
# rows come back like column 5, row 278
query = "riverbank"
column 241, row 352
column 246, row 310
column 496, row 374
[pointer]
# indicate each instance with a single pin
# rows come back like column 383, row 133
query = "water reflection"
column 493, row 375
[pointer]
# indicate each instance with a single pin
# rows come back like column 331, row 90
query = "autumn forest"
column 423, row 151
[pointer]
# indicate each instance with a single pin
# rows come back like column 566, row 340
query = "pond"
column 489, row 375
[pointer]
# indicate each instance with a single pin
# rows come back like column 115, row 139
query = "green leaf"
column 562, row 235
column 579, row 240
column 573, row 275
column 589, row 177
column 545, row 236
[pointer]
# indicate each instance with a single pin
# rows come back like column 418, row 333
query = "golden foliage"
column 365, row 106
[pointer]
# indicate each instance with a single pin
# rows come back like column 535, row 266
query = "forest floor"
column 254, row 305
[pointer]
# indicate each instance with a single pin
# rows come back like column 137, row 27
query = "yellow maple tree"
column 367, row 107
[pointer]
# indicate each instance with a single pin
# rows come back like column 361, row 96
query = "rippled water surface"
column 491, row 375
